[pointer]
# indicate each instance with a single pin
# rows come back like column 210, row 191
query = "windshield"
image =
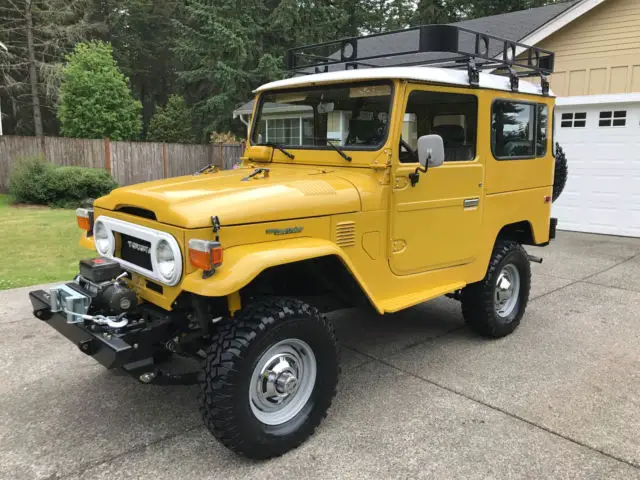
column 349, row 116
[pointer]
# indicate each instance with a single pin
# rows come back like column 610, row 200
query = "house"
column 597, row 82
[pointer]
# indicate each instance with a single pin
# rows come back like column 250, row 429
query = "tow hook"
column 535, row 259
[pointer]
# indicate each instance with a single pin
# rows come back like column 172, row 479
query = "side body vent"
column 346, row 234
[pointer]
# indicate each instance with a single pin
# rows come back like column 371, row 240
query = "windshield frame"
column 353, row 148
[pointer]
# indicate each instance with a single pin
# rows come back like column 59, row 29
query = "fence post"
column 164, row 158
column 107, row 155
column 221, row 164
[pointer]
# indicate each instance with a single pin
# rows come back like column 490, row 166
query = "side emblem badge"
column 284, row 231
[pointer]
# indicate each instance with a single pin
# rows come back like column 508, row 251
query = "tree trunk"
column 33, row 72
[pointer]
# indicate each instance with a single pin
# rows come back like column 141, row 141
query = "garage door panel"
column 602, row 194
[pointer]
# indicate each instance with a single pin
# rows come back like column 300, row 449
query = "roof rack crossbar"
column 459, row 48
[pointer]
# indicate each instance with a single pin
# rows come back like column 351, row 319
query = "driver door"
column 436, row 223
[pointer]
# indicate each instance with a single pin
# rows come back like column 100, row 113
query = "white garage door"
column 602, row 143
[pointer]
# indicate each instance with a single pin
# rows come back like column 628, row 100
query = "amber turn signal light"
column 84, row 216
column 205, row 254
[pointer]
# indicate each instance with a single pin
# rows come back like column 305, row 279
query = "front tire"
column 270, row 376
column 494, row 306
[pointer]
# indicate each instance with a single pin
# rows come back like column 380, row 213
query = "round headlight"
column 166, row 260
column 101, row 238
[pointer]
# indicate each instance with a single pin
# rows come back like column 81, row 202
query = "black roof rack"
column 447, row 46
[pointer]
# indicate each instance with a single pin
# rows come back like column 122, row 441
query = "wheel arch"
column 246, row 267
column 521, row 232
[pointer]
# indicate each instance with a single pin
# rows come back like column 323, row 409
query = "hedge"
column 37, row 181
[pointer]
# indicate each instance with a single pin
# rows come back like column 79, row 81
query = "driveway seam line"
column 138, row 448
column 507, row 413
column 596, row 284
column 611, row 267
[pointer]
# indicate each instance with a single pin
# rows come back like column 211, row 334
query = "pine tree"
column 171, row 124
column 37, row 35
column 95, row 99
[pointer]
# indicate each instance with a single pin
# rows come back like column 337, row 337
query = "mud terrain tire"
column 237, row 353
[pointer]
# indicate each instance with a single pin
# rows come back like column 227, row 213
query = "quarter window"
column 513, row 130
column 574, row 120
column 542, row 134
column 616, row 118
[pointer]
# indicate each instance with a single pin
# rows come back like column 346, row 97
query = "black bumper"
column 111, row 350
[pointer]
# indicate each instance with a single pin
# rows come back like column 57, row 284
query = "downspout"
column 243, row 120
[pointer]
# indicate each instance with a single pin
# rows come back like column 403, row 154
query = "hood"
column 286, row 193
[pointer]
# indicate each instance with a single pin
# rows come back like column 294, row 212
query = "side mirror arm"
column 415, row 176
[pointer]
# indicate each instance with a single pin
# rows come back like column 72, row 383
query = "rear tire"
column 270, row 376
column 494, row 306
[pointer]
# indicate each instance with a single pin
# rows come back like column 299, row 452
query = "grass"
column 38, row 245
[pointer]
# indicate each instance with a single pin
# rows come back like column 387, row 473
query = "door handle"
column 471, row 202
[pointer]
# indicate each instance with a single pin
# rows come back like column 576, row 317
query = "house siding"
column 598, row 53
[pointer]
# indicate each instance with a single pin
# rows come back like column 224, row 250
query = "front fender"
column 87, row 242
column 244, row 263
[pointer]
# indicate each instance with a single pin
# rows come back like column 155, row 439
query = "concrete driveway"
column 419, row 397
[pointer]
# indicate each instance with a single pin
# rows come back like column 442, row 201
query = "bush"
column 34, row 180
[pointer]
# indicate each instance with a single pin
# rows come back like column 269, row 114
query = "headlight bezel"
column 164, row 248
column 107, row 241
column 154, row 237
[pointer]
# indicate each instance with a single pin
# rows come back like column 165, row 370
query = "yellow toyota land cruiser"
column 361, row 185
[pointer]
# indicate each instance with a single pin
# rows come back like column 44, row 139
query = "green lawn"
column 37, row 245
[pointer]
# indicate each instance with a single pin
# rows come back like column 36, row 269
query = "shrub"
column 34, row 180
column 223, row 137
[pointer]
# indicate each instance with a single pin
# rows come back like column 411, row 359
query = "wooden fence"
column 128, row 162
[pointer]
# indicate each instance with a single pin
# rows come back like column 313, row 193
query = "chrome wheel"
column 282, row 382
column 507, row 291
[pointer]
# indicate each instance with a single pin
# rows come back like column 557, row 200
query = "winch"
column 97, row 294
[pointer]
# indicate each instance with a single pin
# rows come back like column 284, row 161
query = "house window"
column 574, row 120
column 284, row 131
column 617, row 118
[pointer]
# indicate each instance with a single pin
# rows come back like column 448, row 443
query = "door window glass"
column 452, row 116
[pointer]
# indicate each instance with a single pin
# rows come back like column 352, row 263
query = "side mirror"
column 430, row 151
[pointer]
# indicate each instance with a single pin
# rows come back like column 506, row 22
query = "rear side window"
column 519, row 130
column 542, row 125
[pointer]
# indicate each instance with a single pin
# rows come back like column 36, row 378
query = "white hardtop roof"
column 421, row 74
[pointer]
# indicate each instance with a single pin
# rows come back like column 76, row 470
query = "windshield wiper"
column 279, row 147
column 342, row 154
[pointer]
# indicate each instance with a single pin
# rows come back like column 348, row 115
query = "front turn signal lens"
column 84, row 216
column 205, row 254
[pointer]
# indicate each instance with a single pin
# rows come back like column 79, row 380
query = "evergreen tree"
column 142, row 33
column 37, row 35
column 95, row 99
column 171, row 124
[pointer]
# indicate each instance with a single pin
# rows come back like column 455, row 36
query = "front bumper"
column 134, row 347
